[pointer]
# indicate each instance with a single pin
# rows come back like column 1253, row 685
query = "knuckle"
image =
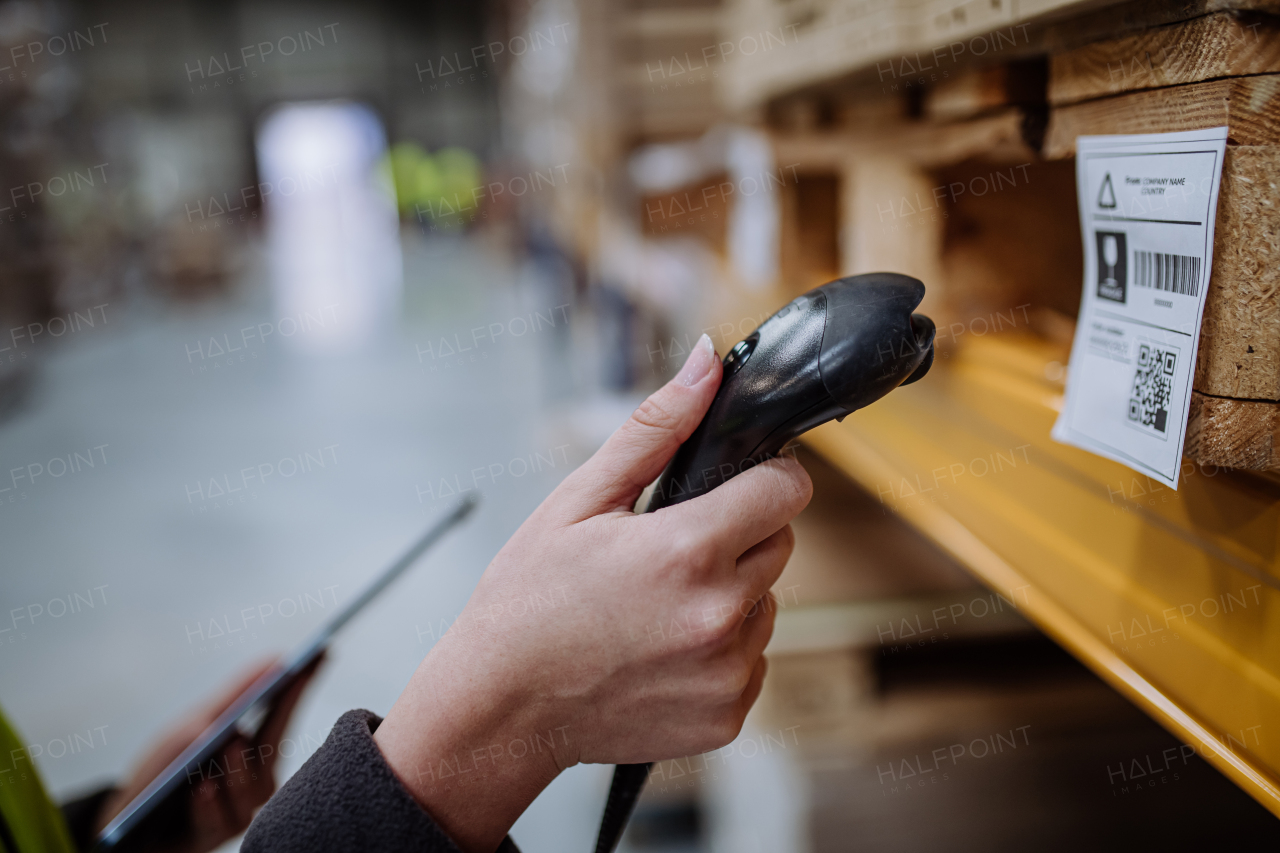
column 739, row 678
column 723, row 625
column 653, row 414
column 726, row 682
column 720, row 730
column 714, row 638
column 796, row 486
column 785, row 485
column 728, row 727
column 707, row 739
column 765, row 612
column 691, row 551
column 787, row 538
column 758, row 608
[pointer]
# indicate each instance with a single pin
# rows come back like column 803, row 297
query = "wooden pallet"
column 1102, row 548
column 1247, row 105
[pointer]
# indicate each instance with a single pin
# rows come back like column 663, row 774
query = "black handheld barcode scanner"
column 825, row 354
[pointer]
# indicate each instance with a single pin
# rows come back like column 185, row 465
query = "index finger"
column 749, row 508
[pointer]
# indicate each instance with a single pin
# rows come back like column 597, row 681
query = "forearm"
column 471, row 746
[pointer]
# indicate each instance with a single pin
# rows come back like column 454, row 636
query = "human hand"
column 566, row 651
column 219, row 807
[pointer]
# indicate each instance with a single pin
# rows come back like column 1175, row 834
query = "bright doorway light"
column 332, row 231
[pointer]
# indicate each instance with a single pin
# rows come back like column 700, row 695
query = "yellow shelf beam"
column 1172, row 597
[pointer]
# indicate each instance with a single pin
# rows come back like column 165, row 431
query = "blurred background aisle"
column 267, row 410
column 279, row 279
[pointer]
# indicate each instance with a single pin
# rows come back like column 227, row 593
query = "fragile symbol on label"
column 1147, row 208
column 1107, row 195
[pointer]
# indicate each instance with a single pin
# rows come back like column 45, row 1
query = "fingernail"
column 699, row 362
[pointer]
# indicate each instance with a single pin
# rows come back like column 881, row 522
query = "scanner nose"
column 923, row 330
column 868, row 316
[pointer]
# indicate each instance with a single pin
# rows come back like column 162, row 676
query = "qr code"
column 1152, row 387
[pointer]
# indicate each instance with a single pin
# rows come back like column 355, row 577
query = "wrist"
column 472, row 744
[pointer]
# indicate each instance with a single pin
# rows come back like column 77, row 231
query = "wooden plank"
column 1000, row 137
column 967, row 94
column 1239, row 353
column 876, row 232
column 699, row 209
column 840, row 42
column 1210, row 47
column 1069, row 33
column 1234, row 433
column 809, row 244
column 986, row 266
column 774, row 54
column 1250, row 106
column 982, row 90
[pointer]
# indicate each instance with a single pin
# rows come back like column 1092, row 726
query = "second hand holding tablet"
column 142, row 825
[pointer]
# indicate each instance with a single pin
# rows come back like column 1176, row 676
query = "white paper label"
column 1147, row 207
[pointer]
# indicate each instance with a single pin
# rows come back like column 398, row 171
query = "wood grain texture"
column 967, row 94
column 1249, row 106
column 1071, row 32
column 987, row 265
column 879, row 231
column 1209, row 47
column 1233, row 433
column 1000, row 137
column 976, row 91
column 1239, row 352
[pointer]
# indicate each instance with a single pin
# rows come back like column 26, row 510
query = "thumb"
column 636, row 453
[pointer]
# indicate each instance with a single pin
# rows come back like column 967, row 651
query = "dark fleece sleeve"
column 346, row 798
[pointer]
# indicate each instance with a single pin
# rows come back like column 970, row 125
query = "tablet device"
column 128, row 830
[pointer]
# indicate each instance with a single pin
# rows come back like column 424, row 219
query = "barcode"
column 1174, row 273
